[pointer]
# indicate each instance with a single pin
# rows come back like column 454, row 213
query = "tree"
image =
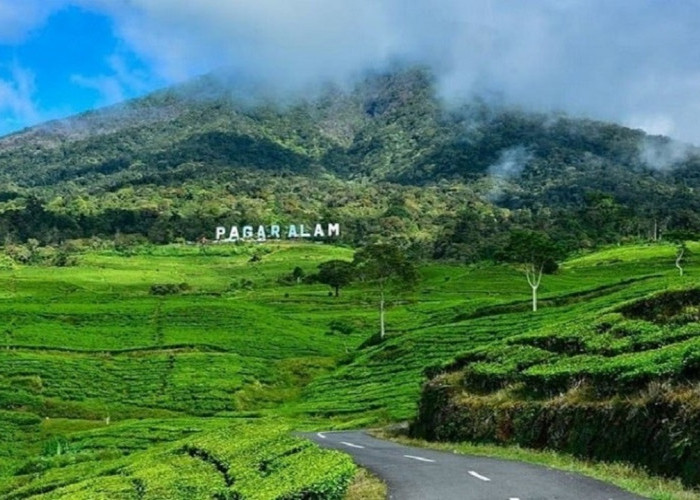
column 535, row 253
column 384, row 263
column 680, row 239
column 298, row 274
column 336, row 274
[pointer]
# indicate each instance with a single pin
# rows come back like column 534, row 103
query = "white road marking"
column 513, row 498
column 351, row 445
column 479, row 476
column 321, row 435
column 419, row 458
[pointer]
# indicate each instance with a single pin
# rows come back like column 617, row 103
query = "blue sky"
column 71, row 61
column 632, row 62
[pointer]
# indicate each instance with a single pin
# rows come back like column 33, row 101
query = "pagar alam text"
column 274, row 231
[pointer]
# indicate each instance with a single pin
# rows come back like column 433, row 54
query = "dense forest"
column 386, row 158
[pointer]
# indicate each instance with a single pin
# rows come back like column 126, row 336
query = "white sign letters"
column 276, row 232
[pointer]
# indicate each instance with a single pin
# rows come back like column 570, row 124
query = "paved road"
column 421, row 474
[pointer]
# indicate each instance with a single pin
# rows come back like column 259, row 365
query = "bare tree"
column 680, row 239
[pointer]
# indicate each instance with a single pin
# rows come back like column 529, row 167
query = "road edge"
column 624, row 476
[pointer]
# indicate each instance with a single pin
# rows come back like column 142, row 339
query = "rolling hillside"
column 88, row 350
column 138, row 364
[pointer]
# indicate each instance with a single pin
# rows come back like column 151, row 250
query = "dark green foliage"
column 533, row 249
column 681, row 236
column 177, row 163
column 341, row 327
column 383, row 263
column 664, row 307
column 536, row 253
column 34, row 254
column 168, row 288
column 242, row 284
column 336, row 274
column 298, row 274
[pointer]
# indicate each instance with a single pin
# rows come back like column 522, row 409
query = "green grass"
column 88, row 343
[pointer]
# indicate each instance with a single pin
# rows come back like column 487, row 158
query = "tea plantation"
column 618, row 381
column 181, row 371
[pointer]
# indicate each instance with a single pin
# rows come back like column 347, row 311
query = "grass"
column 625, row 476
column 87, row 345
column 366, row 486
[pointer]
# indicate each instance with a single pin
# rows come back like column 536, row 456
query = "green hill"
column 385, row 157
column 137, row 364
column 113, row 390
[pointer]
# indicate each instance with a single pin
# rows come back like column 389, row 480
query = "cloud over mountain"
column 635, row 63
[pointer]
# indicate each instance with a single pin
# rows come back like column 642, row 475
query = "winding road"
column 422, row 474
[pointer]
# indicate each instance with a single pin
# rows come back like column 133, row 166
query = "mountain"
column 386, row 157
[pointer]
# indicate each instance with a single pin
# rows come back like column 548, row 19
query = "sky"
column 632, row 62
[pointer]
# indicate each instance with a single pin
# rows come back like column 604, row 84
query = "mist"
column 634, row 63
column 509, row 166
column 663, row 154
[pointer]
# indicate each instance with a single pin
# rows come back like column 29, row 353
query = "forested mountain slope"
column 386, row 156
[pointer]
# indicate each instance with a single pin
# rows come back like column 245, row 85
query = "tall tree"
column 535, row 254
column 383, row 263
column 336, row 274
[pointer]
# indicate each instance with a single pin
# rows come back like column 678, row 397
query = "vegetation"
column 140, row 360
column 386, row 158
column 536, row 253
column 596, row 386
column 336, row 273
column 183, row 460
column 89, row 348
column 382, row 263
column 680, row 239
column 366, row 486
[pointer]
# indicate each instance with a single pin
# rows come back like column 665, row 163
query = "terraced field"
column 491, row 314
column 183, row 459
column 87, row 349
column 615, row 377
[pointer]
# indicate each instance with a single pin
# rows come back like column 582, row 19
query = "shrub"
column 341, row 327
column 19, row 253
column 6, row 263
column 168, row 288
column 242, row 284
column 665, row 420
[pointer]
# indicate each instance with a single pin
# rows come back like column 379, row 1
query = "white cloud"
column 661, row 154
column 293, row 41
column 630, row 62
column 608, row 60
column 114, row 87
column 18, row 18
column 655, row 124
column 16, row 100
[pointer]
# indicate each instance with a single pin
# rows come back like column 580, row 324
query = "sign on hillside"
column 276, row 232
